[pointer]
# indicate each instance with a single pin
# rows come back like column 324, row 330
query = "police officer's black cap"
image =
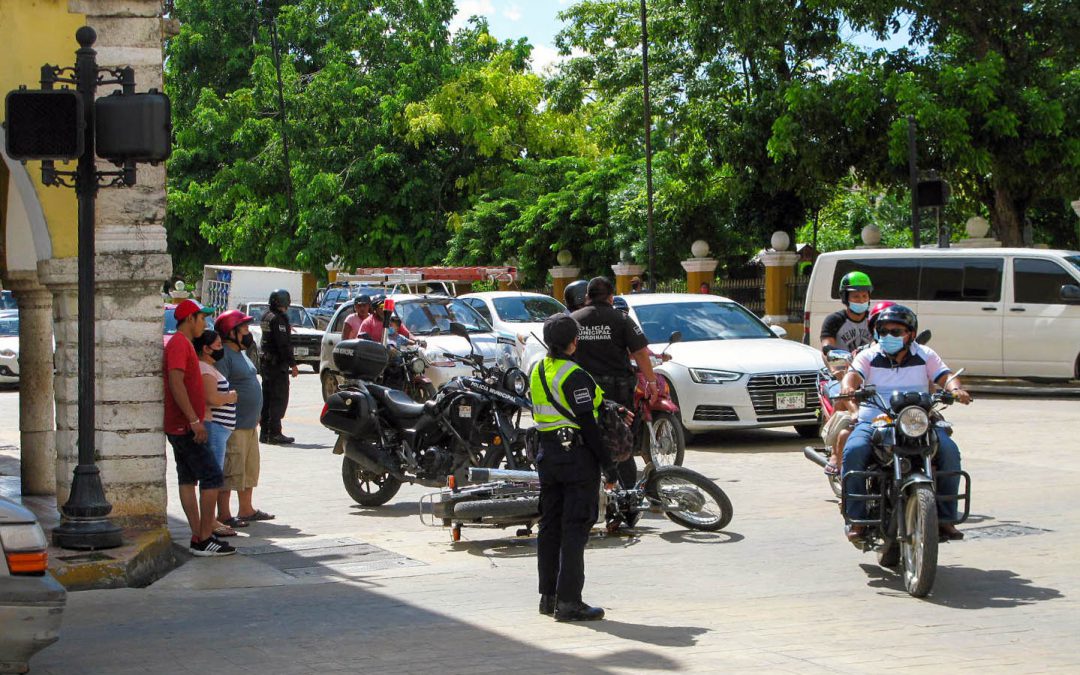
column 362, row 300
column 559, row 331
column 600, row 287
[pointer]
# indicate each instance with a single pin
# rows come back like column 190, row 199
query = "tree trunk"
column 1007, row 217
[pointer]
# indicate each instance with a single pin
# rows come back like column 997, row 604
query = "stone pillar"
column 561, row 277
column 36, row 435
column 701, row 269
column 779, row 269
column 624, row 272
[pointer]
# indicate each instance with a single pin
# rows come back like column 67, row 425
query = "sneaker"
column 211, row 548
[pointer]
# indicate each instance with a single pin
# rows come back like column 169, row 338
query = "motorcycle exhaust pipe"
column 353, row 452
column 479, row 474
column 815, row 455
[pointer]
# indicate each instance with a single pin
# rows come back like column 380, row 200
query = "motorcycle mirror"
column 923, row 337
column 676, row 336
column 459, row 330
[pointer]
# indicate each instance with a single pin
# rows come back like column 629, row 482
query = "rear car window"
column 893, row 278
column 1039, row 281
column 960, row 279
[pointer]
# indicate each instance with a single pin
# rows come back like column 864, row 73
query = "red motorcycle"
column 656, row 423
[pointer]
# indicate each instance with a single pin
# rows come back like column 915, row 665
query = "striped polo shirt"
column 919, row 368
column 225, row 415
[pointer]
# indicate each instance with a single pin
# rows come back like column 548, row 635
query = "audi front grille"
column 764, row 388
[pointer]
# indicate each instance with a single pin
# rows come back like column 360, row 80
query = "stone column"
column 779, row 269
column 624, row 272
column 701, row 269
column 36, row 435
column 561, row 277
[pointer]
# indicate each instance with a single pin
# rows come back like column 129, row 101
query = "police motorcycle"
column 898, row 485
column 505, row 498
column 387, row 439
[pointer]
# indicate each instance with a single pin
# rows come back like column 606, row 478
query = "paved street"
column 332, row 587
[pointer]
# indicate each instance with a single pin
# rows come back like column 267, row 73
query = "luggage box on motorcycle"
column 361, row 359
column 349, row 412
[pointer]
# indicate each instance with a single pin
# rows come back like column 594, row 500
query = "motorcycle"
column 387, row 439
column 898, row 486
column 656, row 425
column 405, row 371
column 506, row 498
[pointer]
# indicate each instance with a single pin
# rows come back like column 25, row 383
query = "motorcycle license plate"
column 300, row 351
column 790, row 400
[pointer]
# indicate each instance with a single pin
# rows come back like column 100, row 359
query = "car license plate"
column 300, row 351
column 790, row 400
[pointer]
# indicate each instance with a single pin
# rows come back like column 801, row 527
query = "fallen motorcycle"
column 505, row 498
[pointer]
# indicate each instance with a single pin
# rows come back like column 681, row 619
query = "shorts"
column 194, row 462
column 242, row 460
column 216, row 436
column 841, row 420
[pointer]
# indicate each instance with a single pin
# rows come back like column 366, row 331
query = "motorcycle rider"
column 276, row 354
column 571, row 456
column 574, row 295
column 898, row 363
column 847, row 328
column 605, row 339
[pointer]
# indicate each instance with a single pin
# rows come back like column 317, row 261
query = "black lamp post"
column 648, row 147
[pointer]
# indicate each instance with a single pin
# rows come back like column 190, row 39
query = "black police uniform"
column 606, row 339
column 276, row 355
column 569, row 493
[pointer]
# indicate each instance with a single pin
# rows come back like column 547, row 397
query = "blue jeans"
column 857, row 454
column 216, row 438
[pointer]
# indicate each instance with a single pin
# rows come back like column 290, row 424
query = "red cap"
column 189, row 307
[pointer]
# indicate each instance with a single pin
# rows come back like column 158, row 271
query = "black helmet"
column 574, row 294
column 280, row 298
column 377, row 301
column 619, row 303
column 600, row 287
column 898, row 314
column 854, row 281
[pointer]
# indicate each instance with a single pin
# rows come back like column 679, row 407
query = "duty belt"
column 566, row 437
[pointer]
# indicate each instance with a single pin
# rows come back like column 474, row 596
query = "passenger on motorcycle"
column 897, row 363
column 848, row 328
column 374, row 325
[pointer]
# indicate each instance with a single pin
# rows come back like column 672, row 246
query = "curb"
column 145, row 557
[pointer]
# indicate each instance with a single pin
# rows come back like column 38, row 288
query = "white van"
column 1011, row 312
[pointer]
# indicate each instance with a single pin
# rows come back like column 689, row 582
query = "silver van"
column 1011, row 312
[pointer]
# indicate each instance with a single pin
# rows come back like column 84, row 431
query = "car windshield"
column 1075, row 260
column 9, row 325
column 298, row 316
column 700, row 321
column 526, row 309
column 422, row 317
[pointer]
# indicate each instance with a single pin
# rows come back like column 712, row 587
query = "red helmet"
column 875, row 310
column 230, row 320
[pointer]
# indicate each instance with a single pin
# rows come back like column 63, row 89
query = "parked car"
column 31, row 600
column 169, row 328
column 305, row 339
column 428, row 318
column 9, row 346
column 1005, row 311
column 7, row 300
column 334, row 297
column 519, row 314
column 731, row 370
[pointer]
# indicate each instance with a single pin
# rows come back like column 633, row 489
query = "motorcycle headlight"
column 418, row 365
column 914, row 421
column 514, row 381
column 705, row 376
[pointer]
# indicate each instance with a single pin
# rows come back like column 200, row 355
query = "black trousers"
column 569, row 503
column 275, row 387
column 621, row 390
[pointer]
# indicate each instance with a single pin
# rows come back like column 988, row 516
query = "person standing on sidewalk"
column 185, row 408
column 277, row 364
column 221, row 400
column 242, row 458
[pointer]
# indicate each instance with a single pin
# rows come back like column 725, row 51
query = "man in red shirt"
column 374, row 324
column 185, row 408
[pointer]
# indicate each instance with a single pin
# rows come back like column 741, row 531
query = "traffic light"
column 933, row 192
column 44, row 124
column 133, row 127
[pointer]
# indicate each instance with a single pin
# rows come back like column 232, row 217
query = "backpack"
column 616, row 434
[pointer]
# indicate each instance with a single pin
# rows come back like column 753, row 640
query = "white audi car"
column 731, row 370
column 519, row 314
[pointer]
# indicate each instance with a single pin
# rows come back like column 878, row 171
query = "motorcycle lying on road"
column 898, row 486
column 505, row 498
column 387, row 439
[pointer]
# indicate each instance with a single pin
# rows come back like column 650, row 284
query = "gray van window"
column 959, row 279
column 1039, row 281
column 893, row 278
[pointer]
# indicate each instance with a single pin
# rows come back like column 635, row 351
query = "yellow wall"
column 33, row 33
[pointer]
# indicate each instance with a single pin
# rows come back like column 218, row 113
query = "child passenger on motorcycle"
column 897, row 363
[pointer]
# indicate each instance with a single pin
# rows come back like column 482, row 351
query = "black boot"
column 547, row 604
column 577, row 611
column 280, row 439
column 264, row 437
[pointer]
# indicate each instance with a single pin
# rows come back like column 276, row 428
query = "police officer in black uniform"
column 570, row 462
column 607, row 340
column 277, row 362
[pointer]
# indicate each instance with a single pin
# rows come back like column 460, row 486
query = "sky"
column 537, row 20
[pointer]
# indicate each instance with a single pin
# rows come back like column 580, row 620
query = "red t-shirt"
column 180, row 355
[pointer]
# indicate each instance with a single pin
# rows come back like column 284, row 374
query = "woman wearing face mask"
column 220, row 404
column 848, row 328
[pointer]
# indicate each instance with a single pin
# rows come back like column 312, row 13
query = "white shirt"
column 920, row 367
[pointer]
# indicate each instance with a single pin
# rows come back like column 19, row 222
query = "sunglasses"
column 895, row 332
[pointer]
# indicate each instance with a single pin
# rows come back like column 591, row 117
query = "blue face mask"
column 892, row 344
column 859, row 307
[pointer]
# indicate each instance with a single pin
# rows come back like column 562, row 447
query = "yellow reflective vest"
column 545, row 414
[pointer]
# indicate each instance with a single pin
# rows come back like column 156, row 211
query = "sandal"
column 258, row 515
column 224, row 531
column 235, row 522
column 832, row 470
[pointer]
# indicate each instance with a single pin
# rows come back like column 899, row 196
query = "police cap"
column 559, row 331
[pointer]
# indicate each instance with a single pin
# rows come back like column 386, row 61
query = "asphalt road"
column 332, row 587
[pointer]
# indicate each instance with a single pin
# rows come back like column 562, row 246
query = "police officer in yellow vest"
column 570, row 460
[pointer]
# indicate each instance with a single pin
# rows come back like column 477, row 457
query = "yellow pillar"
column 699, row 271
column 624, row 272
column 779, row 269
column 561, row 277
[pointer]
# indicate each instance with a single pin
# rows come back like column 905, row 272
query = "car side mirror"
column 778, row 331
column 1070, row 293
column 675, row 337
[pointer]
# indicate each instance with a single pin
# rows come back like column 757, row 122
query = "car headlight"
column 913, row 421
column 8, row 353
column 514, row 381
column 706, row 376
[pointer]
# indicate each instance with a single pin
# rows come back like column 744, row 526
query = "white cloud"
column 513, row 12
column 470, row 8
column 546, row 57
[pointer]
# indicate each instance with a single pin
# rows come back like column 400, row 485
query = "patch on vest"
column 582, row 396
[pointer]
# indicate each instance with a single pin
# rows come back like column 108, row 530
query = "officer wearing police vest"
column 607, row 340
column 570, row 461
column 277, row 362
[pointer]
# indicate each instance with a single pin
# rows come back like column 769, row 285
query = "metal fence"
column 750, row 293
column 797, row 298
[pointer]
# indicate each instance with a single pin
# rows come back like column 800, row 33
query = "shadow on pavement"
column 661, row 636
column 783, row 439
column 521, row 547
column 960, row 587
column 696, row 537
column 395, row 510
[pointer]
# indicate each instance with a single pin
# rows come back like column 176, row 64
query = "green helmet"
column 855, row 281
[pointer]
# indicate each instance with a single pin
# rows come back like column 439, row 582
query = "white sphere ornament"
column 624, row 256
column 699, row 248
column 564, row 257
column 977, row 227
column 179, row 285
column 780, row 240
column 871, row 235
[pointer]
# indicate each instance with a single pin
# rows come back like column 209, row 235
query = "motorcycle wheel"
column 423, row 392
column 836, row 485
column 497, row 508
column 329, row 384
column 366, row 488
column 705, row 506
column 670, row 447
column 919, row 546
